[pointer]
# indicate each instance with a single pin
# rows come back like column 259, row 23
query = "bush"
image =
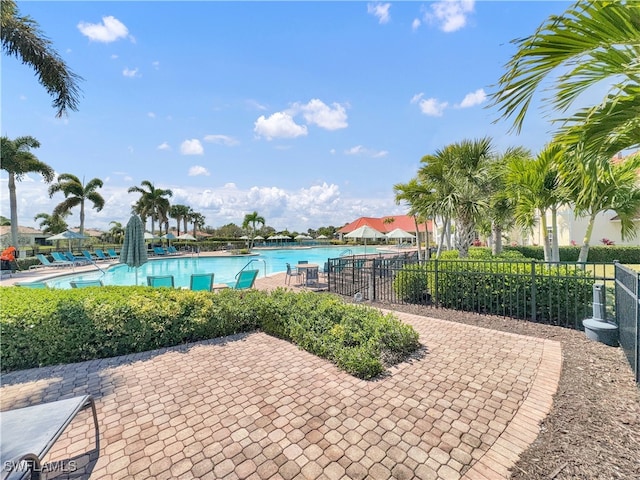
column 563, row 294
column 410, row 284
column 47, row 327
column 597, row 253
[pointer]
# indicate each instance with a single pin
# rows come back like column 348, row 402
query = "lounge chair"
column 159, row 251
column 201, row 281
column 246, row 279
column 101, row 255
column 78, row 260
column 45, row 262
column 160, row 281
column 29, row 433
column 112, row 254
column 291, row 272
column 60, row 257
column 171, row 250
column 86, row 283
column 88, row 256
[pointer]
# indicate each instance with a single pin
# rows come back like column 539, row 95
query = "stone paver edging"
column 253, row 406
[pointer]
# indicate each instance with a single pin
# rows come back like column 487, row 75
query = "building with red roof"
column 389, row 223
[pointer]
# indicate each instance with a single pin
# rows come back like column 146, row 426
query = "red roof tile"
column 405, row 222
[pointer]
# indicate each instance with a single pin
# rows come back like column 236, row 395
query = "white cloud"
column 164, row 146
column 198, row 170
column 131, row 73
column 156, row 65
column 191, row 147
column 473, row 99
column 254, row 105
column 380, row 10
column 222, row 140
column 451, row 15
column 278, row 125
column 110, row 30
column 366, row 152
column 430, row 106
column 415, row 24
column 151, row 115
column 317, row 112
column 114, row 56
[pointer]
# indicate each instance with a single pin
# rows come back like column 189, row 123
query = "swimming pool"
column 225, row 269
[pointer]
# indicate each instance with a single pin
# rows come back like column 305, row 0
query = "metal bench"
column 29, row 433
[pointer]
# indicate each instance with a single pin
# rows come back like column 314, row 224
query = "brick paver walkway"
column 254, row 406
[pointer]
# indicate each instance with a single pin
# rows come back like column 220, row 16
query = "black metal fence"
column 628, row 314
column 551, row 293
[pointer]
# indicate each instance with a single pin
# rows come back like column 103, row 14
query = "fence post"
column 534, row 315
column 435, row 266
column 373, row 279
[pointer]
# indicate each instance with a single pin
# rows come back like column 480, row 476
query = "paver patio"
column 254, row 406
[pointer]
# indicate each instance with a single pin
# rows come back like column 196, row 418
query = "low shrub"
column 47, row 327
column 410, row 284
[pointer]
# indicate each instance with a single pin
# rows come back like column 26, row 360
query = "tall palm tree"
column 153, row 201
column 198, row 221
column 252, row 220
column 501, row 206
column 592, row 43
column 22, row 38
column 420, row 200
column 457, row 176
column 178, row 213
column 597, row 184
column 76, row 193
column 535, row 186
column 17, row 160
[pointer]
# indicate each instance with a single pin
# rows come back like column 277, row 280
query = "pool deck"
column 254, row 406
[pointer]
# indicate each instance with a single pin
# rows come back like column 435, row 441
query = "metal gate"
column 628, row 314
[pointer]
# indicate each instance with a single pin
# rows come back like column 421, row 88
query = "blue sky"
column 307, row 112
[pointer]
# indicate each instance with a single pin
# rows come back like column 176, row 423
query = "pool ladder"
column 346, row 252
column 250, row 262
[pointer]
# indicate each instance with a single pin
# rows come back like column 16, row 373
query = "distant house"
column 27, row 236
column 389, row 223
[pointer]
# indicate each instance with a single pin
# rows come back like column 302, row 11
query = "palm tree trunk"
column 13, row 206
column 464, row 236
column 545, row 237
column 584, row 249
column 445, row 228
column 496, row 233
column 415, row 220
column 555, row 248
column 426, row 242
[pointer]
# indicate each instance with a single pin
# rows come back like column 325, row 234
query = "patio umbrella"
column 399, row 234
column 66, row 235
column 134, row 250
column 365, row 232
column 186, row 236
column 168, row 237
column 150, row 236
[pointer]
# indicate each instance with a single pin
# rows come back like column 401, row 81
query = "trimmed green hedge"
column 559, row 295
column 48, row 327
column 598, row 253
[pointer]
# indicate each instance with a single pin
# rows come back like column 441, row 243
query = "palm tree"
column 592, row 43
column 501, row 206
column 178, row 213
column 535, row 186
column 22, row 39
column 152, row 203
column 51, row 224
column 596, row 185
column 457, row 177
column 116, row 232
column 252, row 220
column 76, row 193
column 17, row 161
column 419, row 199
column 198, row 221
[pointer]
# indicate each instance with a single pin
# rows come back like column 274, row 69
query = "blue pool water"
column 224, row 268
